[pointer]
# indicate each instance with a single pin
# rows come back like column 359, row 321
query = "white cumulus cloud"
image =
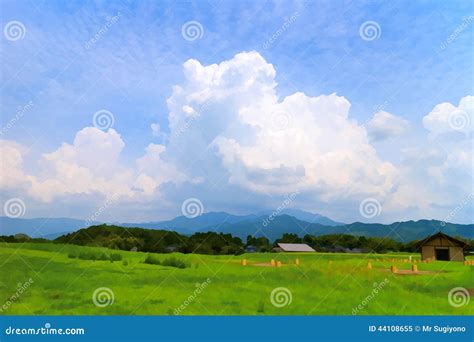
column 447, row 118
column 384, row 125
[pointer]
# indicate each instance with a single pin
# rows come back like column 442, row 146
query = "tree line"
column 163, row 241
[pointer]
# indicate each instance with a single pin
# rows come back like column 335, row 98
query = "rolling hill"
column 399, row 231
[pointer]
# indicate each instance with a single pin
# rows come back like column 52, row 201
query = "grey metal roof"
column 295, row 247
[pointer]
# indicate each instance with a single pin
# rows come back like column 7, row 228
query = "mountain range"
column 267, row 223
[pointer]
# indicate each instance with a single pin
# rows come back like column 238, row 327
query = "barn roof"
column 295, row 247
column 442, row 235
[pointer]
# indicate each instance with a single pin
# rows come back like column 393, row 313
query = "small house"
column 442, row 247
column 251, row 249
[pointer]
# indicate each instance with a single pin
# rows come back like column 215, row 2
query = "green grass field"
column 329, row 284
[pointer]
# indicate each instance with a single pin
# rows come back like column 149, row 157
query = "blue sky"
column 130, row 70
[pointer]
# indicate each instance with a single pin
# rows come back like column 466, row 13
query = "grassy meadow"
column 323, row 284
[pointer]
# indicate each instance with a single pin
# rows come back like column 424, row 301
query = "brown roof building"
column 442, row 247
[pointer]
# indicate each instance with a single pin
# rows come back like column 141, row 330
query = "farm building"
column 442, row 247
column 251, row 249
column 293, row 247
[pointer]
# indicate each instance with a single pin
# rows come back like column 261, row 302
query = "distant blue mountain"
column 186, row 225
column 400, row 231
column 302, row 216
column 267, row 223
column 53, row 227
column 41, row 227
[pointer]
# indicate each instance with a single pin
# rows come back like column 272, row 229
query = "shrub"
column 173, row 262
column 125, row 263
column 151, row 259
column 102, row 256
column 72, row 255
column 87, row 256
column 115, row 257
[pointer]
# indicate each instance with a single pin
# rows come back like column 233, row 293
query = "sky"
column 145, row 110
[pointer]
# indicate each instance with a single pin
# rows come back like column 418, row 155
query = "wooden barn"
column 293, row 247
column 442, row 247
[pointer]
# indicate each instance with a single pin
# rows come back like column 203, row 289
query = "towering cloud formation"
column 268, row 145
